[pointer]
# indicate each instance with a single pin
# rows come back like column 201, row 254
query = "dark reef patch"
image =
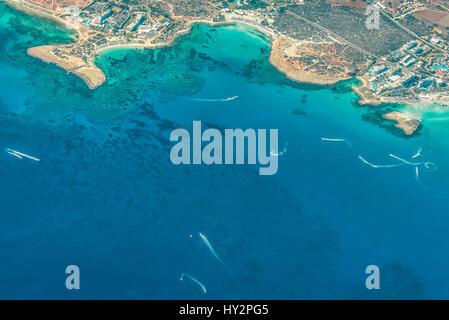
column 299, row 112
column 375, row 114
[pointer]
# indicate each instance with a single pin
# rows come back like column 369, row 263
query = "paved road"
column 386, row 15
column 343, row 40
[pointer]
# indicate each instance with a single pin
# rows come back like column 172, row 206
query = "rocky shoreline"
column 94, row 77
column 409, row 125
column 89, row 73
column 277, row 60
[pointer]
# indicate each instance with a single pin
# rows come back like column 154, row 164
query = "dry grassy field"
column 53, row 4
column 434, row 17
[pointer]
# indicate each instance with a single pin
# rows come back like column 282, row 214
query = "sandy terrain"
column 90, row 73
column 350, row 4
column 363, row 93
column 407, row 124
column 54, row 4
column 287, row 56
column 434, row 17
column 283, row 58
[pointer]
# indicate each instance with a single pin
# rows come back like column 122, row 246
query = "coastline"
column 363, row 96
column 161, row 44
column 276, row 59
column 85, row 68
column 403, row 121
column 88, row 72
column 33, row 10
column 95, row 77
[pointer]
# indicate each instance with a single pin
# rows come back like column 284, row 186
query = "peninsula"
column 402, row 60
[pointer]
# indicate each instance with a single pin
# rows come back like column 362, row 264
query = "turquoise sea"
column 106, row 197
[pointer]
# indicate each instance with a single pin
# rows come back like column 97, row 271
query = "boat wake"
column 20, row 155
column 378, row 166
column 337, row 140
column 202, row 286
column 426, row 165
column 284, row 151
column 212, row 100
column 417, row 154
column 209, row 246
column 212, row 250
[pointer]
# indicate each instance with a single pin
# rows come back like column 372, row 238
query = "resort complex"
column 402, row 59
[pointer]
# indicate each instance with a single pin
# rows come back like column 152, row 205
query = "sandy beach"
column 91, row 74
column 282, row 56
column 95, row 77
column 362, row 92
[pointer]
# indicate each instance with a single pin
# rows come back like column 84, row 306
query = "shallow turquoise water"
column 106, row 197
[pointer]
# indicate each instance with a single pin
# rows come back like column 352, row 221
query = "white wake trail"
column 212, row 100
column 20, row 154
column 337, row 140
column 414, row 164
column 284, row 151
column 15, row 155
column 417, row 154
column 380, row 166
column 428, row 165
column 209, row 246
column 202, row 286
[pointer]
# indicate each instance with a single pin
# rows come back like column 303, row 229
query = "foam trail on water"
column 20, row 154
column 209, row 246
column 438, row 119
column 418, row 154
column 382, row 166
column 429, row 166
column 212, row 100
column 203, row 288
column 284, row 151
column 15, row 155
column 414, row 164
column 333, row 140
column 368, row 163
column 337, row 140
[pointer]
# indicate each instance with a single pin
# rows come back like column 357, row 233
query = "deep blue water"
column 106, row 197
